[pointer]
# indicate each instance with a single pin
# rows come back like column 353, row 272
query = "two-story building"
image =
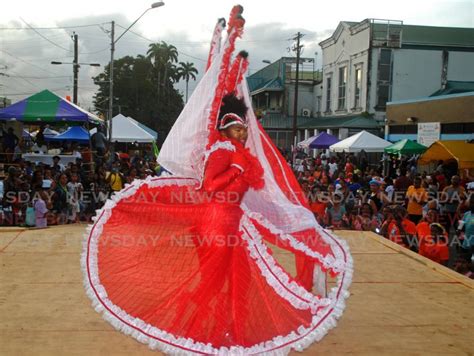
column 273, row 95
column 370, row 63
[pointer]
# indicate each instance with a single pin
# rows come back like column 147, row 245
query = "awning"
column 461, row 151
column 454, row 108
column 280, row 121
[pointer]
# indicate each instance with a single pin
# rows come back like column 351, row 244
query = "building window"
column 457, row 128
column 358, row 87
column 328, row 94
column 384, row 78
column 341, row 98
column 403, row 129
column 382, row 95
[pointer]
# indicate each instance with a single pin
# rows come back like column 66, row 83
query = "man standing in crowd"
column 99, row 142
column 417, row 197
column 452, row 197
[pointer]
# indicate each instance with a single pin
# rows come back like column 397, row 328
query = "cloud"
column 268, row 41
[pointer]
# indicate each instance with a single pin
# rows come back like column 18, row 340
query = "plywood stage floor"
column 400, row 303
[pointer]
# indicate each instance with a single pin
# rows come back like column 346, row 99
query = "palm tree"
column 161, row 55
column 187, row 71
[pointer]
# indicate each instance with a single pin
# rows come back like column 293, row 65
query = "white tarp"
column 362, row 141
column 307, row 142
column 125, row 129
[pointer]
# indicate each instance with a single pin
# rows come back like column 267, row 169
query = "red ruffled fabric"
column 174, row 257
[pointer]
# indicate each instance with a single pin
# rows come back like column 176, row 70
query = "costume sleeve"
column 219, row 172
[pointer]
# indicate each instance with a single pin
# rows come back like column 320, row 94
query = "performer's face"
column 237, row 132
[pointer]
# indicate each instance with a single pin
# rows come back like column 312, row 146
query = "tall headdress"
column 196, row 130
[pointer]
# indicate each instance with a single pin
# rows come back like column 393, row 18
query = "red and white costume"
column 180, row 262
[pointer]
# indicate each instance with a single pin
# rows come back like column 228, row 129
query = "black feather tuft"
column 243, row 54
column 232, row 104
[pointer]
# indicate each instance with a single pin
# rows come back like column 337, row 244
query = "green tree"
column 162, row 55
column 134, row 83
column 187, row 71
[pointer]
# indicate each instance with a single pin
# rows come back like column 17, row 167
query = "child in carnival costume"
column 180, row 262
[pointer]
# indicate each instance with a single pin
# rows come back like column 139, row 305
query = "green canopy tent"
column 405, row 147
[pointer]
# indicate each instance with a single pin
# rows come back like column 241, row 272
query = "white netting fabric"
column 184, row 150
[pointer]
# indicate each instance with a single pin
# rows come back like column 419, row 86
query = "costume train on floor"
column 181, row 262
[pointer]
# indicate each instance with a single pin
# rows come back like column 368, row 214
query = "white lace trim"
column 225, row 145
column 322, row 321
column 328, row 261
column 279, row 279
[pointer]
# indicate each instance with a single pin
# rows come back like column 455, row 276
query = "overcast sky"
column 186, row 24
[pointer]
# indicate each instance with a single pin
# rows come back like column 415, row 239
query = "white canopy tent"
column 126, row 129
column 362, row 141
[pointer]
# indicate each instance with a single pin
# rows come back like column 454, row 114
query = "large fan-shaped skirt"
column 183, row 272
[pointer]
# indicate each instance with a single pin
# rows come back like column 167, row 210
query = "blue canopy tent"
column 74, row 133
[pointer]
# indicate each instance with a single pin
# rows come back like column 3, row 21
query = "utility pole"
column 296, row 48
column 111, row 78
column 111, row 65
column 75, row 67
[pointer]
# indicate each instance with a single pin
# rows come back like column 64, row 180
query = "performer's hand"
column 239, row 161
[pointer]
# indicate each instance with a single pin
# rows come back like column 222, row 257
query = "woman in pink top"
column 41, row 210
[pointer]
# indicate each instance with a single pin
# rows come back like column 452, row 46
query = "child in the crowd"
column 366, row 220
column 41, row 209
column 336, row 213
column 74, row 188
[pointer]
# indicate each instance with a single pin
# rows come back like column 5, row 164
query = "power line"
column 198, row 42
column 27, row 40
column 52, row 28
column 35, row 77
column 44, row 37
column 25, row 61
column 94, row 52
column 151, row 41
column 34, row 92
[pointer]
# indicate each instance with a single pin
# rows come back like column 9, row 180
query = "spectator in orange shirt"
column 317, row 173
column 318, row 207
column 437, row 249
column 417, row 197
column 401, row 230
column 349, row 167
column 423, row 230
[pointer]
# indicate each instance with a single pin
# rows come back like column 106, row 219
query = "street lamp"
column 112, row 50
column 75, row 67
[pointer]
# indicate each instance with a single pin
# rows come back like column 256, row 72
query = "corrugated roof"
column 280, row 121
column 437, row 36
column 415, row 35
column 264, row 75
column 272, row 85
column 455, row 87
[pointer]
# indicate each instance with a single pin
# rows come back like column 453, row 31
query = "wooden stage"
column 400, row 303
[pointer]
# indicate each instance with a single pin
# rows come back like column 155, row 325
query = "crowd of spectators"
column 429, row 213
column 41, row 195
